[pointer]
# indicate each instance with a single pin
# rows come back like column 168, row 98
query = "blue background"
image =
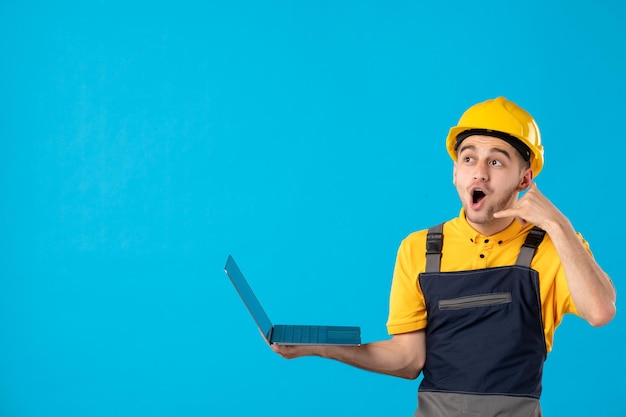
column 142, row 142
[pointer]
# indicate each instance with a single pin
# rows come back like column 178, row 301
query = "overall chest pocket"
column 472, row 301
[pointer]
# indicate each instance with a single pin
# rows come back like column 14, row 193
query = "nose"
column 480, row 173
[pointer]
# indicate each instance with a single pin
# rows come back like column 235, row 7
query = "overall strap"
column 526, row 253
column 434, row 244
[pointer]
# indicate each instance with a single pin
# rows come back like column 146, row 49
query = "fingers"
column 521, row 221
column 287, row 352
column 532, row 207
column 510, row 212
column 297, row 351
column 501, row 214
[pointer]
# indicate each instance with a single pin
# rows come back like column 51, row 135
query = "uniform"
column 489, row 322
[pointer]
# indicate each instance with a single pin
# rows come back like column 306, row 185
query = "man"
column 475, row 301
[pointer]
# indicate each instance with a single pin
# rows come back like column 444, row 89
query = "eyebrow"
column 492, row 150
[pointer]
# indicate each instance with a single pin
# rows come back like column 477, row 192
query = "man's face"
column 488, row 175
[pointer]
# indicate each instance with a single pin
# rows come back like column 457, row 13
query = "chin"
column 478, row 218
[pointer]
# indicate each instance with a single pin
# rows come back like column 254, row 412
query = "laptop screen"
column 248, row 297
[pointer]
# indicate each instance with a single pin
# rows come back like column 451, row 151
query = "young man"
column 475, row 301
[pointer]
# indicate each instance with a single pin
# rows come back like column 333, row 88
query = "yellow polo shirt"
column 465, row 249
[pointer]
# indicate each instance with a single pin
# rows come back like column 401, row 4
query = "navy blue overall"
column 485, row 343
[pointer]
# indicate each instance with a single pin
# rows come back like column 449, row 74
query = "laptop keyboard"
column 301, row 334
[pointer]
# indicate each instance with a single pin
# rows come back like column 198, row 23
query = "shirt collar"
column 510, row 232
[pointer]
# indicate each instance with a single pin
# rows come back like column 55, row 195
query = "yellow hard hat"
column 503, row 119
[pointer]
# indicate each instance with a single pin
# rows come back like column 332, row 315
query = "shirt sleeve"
column 407, row 308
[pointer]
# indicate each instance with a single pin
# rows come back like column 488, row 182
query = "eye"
column 495, row 163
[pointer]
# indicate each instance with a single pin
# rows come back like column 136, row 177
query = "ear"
column 526, row 180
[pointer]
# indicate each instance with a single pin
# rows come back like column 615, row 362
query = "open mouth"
column 477, row 196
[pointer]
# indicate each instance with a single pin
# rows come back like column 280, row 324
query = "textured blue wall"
column 142, row 142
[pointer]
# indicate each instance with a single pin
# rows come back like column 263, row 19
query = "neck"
column 491, row 227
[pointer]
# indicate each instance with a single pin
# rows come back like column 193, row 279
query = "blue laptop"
column 282, row 334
